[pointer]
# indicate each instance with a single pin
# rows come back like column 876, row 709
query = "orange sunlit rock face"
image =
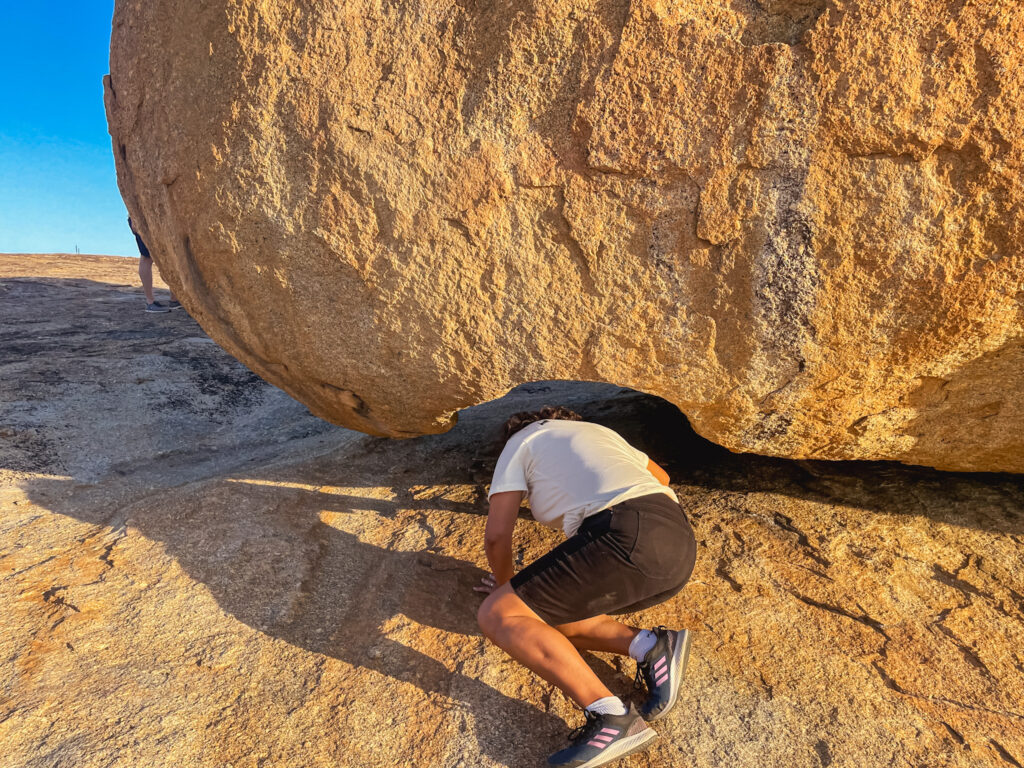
column 799, row 221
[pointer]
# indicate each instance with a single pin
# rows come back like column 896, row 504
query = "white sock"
column 642, row 644
column 609, row 705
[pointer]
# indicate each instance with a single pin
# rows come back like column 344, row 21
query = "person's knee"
column 488, row 617
column 496, row 613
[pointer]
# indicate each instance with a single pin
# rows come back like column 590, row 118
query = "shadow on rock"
column 262, row 549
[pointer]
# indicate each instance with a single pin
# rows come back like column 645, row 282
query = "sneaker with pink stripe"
column 604, row 738
column 662, row 671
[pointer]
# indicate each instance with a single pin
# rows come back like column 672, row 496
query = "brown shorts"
column 628, row 557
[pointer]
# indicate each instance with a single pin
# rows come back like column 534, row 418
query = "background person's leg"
column 512, row 625
column 171, row 297
column 600, row 633
column 146, row 275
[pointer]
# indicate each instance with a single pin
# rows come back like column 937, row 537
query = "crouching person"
column 629, row 547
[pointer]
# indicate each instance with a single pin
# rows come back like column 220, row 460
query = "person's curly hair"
column 519, row 420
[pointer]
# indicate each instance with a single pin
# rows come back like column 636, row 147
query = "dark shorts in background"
column 631, row 556
column 143, row 250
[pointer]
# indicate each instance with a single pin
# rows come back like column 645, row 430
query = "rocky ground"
column 196, row 572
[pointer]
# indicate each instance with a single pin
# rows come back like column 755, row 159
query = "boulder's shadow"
column 987, row 501
column 261, row 547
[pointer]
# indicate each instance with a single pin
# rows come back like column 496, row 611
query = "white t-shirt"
column 571, row 470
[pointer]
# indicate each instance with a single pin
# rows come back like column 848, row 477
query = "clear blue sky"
column 57, row 184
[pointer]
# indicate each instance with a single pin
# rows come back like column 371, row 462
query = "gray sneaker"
column 156, row 306
column 174, row 304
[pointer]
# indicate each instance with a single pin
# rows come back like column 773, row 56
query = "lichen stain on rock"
column 780, row 216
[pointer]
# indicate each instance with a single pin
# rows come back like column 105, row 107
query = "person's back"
column 572, row 470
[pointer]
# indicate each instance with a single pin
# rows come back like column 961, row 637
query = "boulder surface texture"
column 800, row 221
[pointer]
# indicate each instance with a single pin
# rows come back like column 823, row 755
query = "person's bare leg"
column 171, row 297
column 600, row 633
column 146, row 275
column 512, row 625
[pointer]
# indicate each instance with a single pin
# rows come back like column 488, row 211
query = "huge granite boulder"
column 800, row 221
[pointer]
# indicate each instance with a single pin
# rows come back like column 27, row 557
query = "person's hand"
column 487, row 584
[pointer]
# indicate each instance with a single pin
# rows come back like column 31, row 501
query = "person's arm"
column 501, row 521
column 657, row 471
